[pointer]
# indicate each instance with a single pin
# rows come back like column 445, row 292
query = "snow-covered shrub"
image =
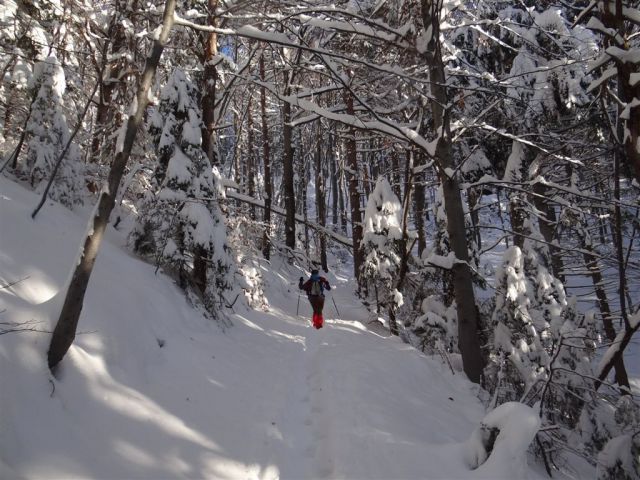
column 382, row 244
column 498, row 447
column 620, row 458
column 518, row 357
column 437, row 327
column 600, row 424
column 47, row 134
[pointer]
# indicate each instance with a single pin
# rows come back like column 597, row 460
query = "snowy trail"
column 340, row 420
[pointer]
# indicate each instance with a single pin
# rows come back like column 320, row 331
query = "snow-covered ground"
column 151, row 389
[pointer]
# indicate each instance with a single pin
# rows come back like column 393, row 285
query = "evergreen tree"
column 381, row 246
column 48, row 134
column 180, row 222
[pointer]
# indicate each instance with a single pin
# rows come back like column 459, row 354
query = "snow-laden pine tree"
column 518, row 360
column 530, row 311
column 180, row 223
column 382, row 234
column 47, row 136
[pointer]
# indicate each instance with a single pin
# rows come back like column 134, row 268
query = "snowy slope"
column 151, row 389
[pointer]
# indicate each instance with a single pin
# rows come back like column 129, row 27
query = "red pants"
column 317, row 303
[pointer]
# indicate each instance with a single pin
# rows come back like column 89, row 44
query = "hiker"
column 315, row 287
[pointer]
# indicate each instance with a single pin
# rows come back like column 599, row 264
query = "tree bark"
column 210, row 79
column 333, row 174
column 419, row 199
column 591, row 262
column 468, row 318
column 321, row 200
column 251, row 161
column 354, row 194
column 288, row 175
column 266, row 154
column 65, row 330
column 110, row 81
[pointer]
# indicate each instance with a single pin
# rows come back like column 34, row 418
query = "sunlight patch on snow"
column 229, row 469
column 36, row 288
column 130, row 402
column 53, row 466
column 215, row 382
column 249, row 323
column 294, row 338
column 133, row 453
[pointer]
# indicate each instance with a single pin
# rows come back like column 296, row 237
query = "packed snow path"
column 152, row 390
column 352, row 409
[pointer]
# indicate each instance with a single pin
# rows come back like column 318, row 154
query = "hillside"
column 152, row 389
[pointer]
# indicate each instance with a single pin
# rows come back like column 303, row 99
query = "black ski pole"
column 298, row 307
column 334, row 304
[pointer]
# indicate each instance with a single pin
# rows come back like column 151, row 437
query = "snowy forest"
column 466, row 175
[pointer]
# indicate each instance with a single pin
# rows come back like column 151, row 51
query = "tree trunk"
column 266, row 153
column 288, row 176
column 405, row 248
column 591, row 262
column 210, row 77
column 419, row 199
column 65, row 330
column 341, row 201
column 473, row 197
column 547, row 222
column 303, row 191
column 321, row 200
column 395, row 173
column 200, row 262
column 111, row 80
column 251, row 160
column 354, row 194
column 333, row 173
column 468, row 318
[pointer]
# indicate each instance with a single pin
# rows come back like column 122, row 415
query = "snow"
column 624, row 56
column 616, row 451
column 517, row 424
column 180, row 167
column 151, row 389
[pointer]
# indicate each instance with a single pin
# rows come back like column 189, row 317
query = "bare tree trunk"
column 288, row 175
column 341, row 201
column 251, row 160
column 12, row 99
column 354, row 194
column 395, row 173
column 591, row 262
column 405, row 248
column 419, row 199
column 333, row 174
column 200, row 262
column 210, row 78
column 321, row 199
column 303, row 190
column 23, row 135
column 266, row 153
column 473, row 197
column 105, row 111
column 468, row 318
column 65, row 330
column 547, row 222
column 619, row 27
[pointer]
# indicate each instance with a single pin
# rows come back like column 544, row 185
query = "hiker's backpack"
column 316, row 288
